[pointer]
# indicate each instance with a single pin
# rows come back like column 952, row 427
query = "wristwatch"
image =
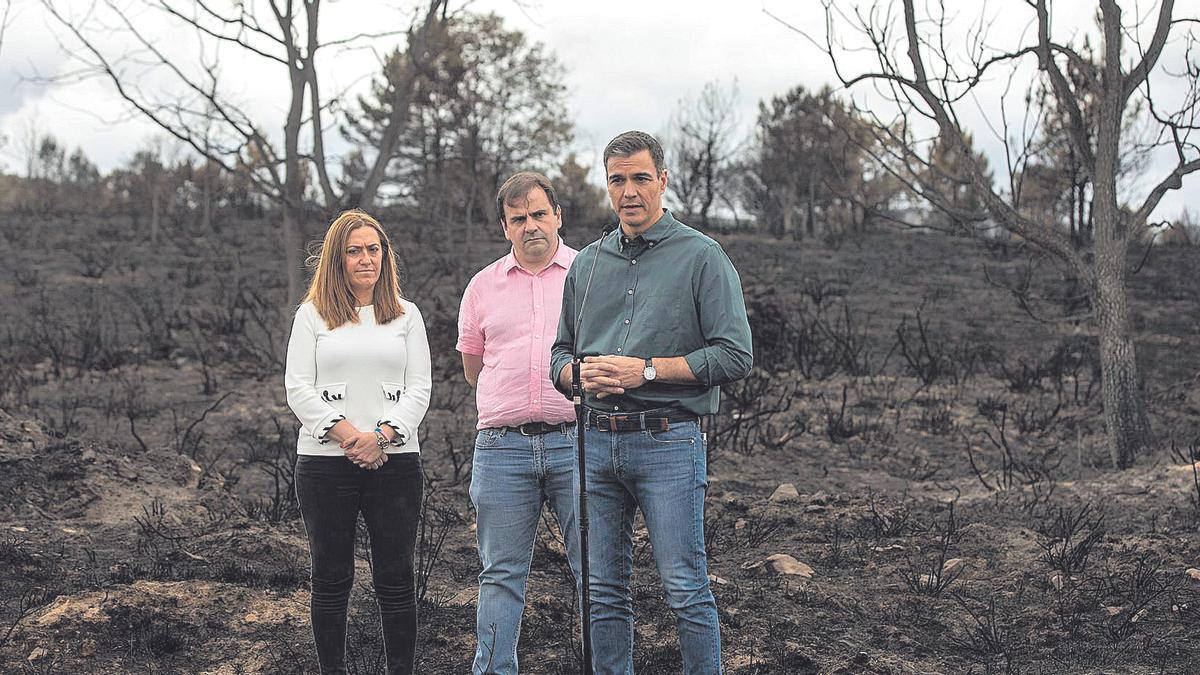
column 648, row 373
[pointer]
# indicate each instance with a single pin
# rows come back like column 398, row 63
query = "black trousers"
column 332, row 491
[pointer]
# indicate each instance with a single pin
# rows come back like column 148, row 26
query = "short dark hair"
column 518, row 186
column 630, row 142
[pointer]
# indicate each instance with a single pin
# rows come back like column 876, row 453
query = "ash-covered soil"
column 914, row 479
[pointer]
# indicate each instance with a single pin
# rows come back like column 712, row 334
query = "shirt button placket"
column 633, row 280
column 535, row 296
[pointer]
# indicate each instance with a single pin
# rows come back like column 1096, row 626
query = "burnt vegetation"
column 950, row 475
column 917, row 475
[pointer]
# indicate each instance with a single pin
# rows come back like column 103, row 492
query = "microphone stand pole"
column 584, row 572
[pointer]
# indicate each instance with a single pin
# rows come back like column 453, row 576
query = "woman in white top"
column 358, row 378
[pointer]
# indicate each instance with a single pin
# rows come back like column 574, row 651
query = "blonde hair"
column 330, row 291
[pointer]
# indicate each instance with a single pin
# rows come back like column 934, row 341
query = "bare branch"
column 236, row 39
column 1141, row 71
column 1173, row 181
column 318, row 129
column 1090, row 110
column 341, row 42
column 1082, row 65
column 1077, row 129
column 1025, row 298
column 244, row 22
column 6, row 17
column 951, row 132
column 107, row 69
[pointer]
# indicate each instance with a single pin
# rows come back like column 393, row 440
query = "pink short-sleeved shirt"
column 510, row 318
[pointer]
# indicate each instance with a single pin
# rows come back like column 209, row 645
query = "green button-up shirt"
column 670, row 292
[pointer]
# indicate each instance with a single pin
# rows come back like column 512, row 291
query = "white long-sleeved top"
column 366, row 373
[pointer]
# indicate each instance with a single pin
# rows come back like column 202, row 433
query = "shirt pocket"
column 334, row 394
column 663, row 320
column 392, row 391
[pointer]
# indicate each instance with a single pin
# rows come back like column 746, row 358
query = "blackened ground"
column 953, row 498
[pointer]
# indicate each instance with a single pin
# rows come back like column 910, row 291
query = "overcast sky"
column 628, row 62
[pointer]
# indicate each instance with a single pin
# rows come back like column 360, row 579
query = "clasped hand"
column 362, row 448
column 611, row 375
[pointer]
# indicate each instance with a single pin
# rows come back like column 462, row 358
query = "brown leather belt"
column 649, row 420
column 539, row 428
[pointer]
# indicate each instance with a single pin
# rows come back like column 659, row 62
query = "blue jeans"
column 664, row 473
column 511, row 477
column 332, row 491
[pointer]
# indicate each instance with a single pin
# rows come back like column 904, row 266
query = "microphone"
column 608, row 229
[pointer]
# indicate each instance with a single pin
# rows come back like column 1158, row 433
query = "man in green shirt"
column 658, row 309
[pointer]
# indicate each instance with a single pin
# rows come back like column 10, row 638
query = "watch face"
column 649, row 373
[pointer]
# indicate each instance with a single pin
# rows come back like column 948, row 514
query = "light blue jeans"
column 664, row 473
column 511, row 477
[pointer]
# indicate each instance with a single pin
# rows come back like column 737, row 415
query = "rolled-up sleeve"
column 412, row 404
column 300, row 376
column 470, row 335
column 727, row 354
column 561, row 352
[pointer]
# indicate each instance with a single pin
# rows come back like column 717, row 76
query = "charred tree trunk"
column 787, row 213
column 1097, row 247
column 206, row 208
column 293, row 179
column 1124, row 410
column 809, row 213
column 424, row 43
column 708, row 192
column 155, row 215
column 1074, row 224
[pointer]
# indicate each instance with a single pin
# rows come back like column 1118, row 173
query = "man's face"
column 636, row 189
column 532, row 226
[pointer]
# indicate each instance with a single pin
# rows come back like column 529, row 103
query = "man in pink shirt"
column 524, row 456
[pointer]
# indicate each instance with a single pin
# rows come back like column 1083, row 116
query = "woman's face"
column 364, row 258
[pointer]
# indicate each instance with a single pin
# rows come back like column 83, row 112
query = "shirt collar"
column 661, row 229
column 562, row 258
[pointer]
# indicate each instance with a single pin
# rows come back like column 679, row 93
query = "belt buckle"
column 524, row 431
column 602, row 421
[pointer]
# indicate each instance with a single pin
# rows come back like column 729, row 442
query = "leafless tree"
column 6, row 17
column 927, row 74
column 116, row 40
column 149, row 168
column 703, row 147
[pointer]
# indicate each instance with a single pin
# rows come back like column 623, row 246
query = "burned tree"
column 926, row 82
column 6, row 17
column 703, row 147
column 199, row 108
